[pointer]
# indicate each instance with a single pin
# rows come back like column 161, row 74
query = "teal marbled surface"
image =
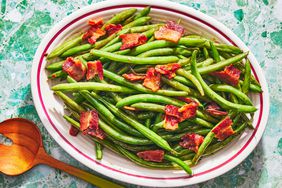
column 24, row 23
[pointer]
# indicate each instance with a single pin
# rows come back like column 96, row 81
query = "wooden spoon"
column 27, row 151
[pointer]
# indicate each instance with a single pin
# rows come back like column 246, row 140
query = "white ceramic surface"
column 50, row 109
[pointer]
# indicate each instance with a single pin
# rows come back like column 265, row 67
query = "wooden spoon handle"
column 43, row 158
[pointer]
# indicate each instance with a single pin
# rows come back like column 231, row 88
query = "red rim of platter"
column 42, row 56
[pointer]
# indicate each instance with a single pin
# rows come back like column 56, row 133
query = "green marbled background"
column 257, row 22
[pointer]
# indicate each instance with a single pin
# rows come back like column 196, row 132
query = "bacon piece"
column 168, row 70
column 171, row 122
column 186, row 99
column 94, row 68
column 191, row 141
column 151, row 155
column 96, row 22
column 172, row 110
column 224, row 129
column 176, row 27
column 214, row 109
column 74, row 68
column 131, row 40
column 188, row 111
column 73, row 131
column 230, row 75
column 89, row 124
column 171, row 32
column 95, row 35
column 113, row 28
column 152, row 80
column 133, row 77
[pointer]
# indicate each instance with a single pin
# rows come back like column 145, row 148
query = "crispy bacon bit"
column 152, row 80
column 171, row 122
column 131, row 40
column 133, row 77
column 96, row 22
column 230, row 75
column 74, row 68
column 94, row 68
column 191, row 141
column 186, row 99
column 151, row 155
column 171, row 32
column 168, row 70
column 89, row 124
column 95, row 35
column 176, row 27
column 214, row 109
column 113, row 28
column 188, row 110
column 73, row 131
column 223, row 129
column 172, row 110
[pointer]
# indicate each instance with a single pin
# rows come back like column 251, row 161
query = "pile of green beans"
column 131, row 115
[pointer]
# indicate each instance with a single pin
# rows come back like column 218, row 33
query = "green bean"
column 149, row 107
column 65, row 46
column 128, row 20
column 179, row 162
column 206, row 117
column 148, row 122
column 148, row 98
column 55, row 66
column 191, row 42
column 86, row 47
column 120, row 80
column 183, row 51
column 247, row 76
column 206, row 53
column 151, row 39
column 98, row 150
column 134, row 60
column 192, row 78
column 224, row 48
column 140, row 29
column 58, row 74
column 141, row 128
column 203, row 146
column 105, row 112
column 70, row 102
column 222, row 64
column 217, row 98
column 144, row 12
column 104, row 142
column 177, row 85
column 233, row 90
column 137, row 22
column 133, row 147
column 123, row 70
column 218, row 146
column 150, row 46
column 120, row 17
column 187, row 157
column 253, row 87
column 215, row 53
column 122, row 137
column 201, row 122
column 183, row 80
column 158, row 118
column 142, row 162
column 91, row 86
column 145, row 115
column 78, row 98
column 157, row 52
